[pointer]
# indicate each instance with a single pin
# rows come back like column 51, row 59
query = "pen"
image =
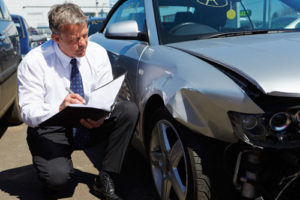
column 69, row 90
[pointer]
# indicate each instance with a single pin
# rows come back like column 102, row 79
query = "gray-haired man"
column 69, row 60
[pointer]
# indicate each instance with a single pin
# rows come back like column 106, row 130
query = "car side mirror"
column 125, row 30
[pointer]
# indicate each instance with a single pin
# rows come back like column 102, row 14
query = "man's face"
column 73, row 39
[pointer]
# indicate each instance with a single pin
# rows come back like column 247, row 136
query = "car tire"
column 14, row 114
column 176, row 168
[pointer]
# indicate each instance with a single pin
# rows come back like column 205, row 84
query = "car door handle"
column 2, row 36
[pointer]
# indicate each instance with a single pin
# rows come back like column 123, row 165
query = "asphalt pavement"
column 18, row 178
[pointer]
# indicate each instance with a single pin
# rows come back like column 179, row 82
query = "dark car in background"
column 10, row 57
column 24, row 34
column 94, row 25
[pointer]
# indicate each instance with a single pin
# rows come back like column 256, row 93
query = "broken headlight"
column 278, row 129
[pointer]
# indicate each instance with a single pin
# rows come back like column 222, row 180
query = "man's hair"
column 67, row 13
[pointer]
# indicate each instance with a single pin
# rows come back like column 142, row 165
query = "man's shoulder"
column 96, row 53
column 40, row 52
column 95, row 47
column 38, row 56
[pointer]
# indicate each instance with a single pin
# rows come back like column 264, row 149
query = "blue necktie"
column 80, row 134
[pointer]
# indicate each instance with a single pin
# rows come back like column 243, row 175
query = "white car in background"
column 45, row 31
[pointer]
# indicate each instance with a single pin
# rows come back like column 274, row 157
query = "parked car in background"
column 218, row 93
column 45, row 31
column 36, row 38
column 10, row 57
column 94, row 25
column 24, row 34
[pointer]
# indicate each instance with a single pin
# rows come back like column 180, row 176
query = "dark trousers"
column 51, row 147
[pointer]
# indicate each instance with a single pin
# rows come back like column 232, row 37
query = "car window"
column 4, row 11
column 130, row 10
column 182, row 20
column 167, row 14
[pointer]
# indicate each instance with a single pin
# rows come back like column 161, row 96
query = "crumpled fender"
column 201, row 108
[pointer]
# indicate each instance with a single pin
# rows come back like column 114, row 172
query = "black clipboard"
column 71, row 115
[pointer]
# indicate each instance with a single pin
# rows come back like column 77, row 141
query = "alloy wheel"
column 168, row 161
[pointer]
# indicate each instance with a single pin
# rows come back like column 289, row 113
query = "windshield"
column 182, row 20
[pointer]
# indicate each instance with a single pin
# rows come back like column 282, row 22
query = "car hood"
column 269, row 61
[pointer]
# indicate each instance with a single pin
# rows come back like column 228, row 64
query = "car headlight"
column 248, row 127
column 279, row 122
column 278, row 129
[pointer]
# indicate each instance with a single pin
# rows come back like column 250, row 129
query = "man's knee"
column 55, row 173
column 58, row 177
column 129, row 111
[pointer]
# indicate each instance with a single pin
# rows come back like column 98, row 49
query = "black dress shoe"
column 104, row 187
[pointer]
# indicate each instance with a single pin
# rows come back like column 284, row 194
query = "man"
column 69, row 60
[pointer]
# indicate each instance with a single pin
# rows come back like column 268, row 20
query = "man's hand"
column 71, row 99
column 89, row 123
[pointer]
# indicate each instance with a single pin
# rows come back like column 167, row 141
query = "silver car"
column 218, row 91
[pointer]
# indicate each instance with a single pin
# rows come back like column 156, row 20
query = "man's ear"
column 55, row 37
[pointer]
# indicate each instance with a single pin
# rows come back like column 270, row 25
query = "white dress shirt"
column 44, row 74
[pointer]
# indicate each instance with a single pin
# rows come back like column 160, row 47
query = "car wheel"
column 176, row 167
column 14, row 114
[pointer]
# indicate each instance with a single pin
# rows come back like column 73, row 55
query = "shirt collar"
column 64, row 59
